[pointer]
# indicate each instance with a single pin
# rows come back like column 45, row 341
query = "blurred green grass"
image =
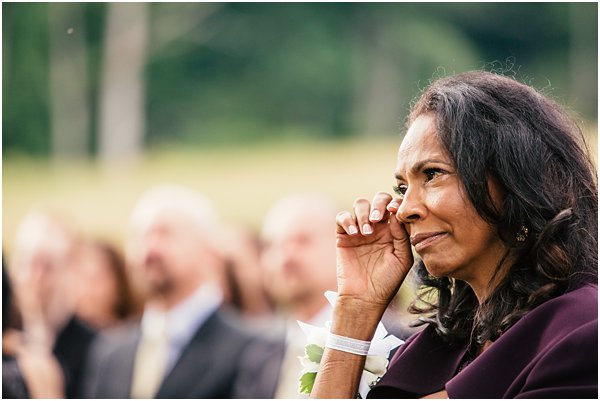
column 243, row 181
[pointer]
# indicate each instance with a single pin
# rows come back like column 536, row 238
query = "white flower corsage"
column 375, row 365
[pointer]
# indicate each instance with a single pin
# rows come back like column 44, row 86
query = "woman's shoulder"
column 551, row 352
column 558, row 317
column 586, row 294
column 524, row 360
column 567, row 311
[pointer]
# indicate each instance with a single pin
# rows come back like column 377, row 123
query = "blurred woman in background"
column 106, row 296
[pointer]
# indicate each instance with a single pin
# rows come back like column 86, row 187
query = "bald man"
column 299, row 260
column 187, row 344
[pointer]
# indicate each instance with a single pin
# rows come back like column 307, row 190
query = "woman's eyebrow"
column 419, row 165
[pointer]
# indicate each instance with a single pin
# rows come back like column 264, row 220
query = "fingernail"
column 367, row 229
column 352, row 230
column 393, row 205
column 375, row 215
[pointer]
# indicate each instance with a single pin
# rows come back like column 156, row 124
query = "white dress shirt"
column 184, row 319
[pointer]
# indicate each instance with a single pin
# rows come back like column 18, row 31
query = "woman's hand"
column 373, row 252
column 373, row 258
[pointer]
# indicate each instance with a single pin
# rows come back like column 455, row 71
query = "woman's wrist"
column 355, row 318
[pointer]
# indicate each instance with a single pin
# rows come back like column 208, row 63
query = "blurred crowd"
column 186, row 307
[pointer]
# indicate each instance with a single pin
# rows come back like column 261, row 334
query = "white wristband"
column 346, row 344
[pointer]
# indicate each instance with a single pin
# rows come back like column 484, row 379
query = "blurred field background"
column 246, row 102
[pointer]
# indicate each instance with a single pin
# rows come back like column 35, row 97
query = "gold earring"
column 522, row 235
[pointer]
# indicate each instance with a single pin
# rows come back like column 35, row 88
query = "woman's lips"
column 422, row 241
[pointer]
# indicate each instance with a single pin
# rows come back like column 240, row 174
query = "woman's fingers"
column 366, row 214
column 393, row 206
column 346, row 224
column 378, row 206
column 362, row 208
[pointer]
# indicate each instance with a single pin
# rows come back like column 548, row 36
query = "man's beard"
column 157, row 276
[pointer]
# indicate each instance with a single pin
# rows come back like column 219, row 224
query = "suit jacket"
column 71, row 350
column 551, row 352
column 215, row 364
column 266, row 357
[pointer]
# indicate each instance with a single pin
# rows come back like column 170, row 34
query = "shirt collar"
column 184, row 319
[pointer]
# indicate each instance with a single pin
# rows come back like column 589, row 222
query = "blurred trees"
column 217, row 73
column 122, row 116
column 25, row 77
column 69, row 104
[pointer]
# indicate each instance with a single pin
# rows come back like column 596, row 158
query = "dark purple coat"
column 551, row 352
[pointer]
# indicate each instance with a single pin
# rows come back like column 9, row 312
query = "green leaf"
column 307, row 381
column 314, row 352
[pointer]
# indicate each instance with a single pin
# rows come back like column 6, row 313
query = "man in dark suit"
column 187, row 344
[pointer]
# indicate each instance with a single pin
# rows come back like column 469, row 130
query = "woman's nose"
column 411, row 207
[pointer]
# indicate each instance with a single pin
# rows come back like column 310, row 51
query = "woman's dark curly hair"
column 495, row 127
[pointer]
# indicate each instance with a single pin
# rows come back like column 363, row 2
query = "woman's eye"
column 400, row 190
column 431, row 173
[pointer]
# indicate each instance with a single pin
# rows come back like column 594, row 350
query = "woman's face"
column 98, row 288
column 444, row 228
